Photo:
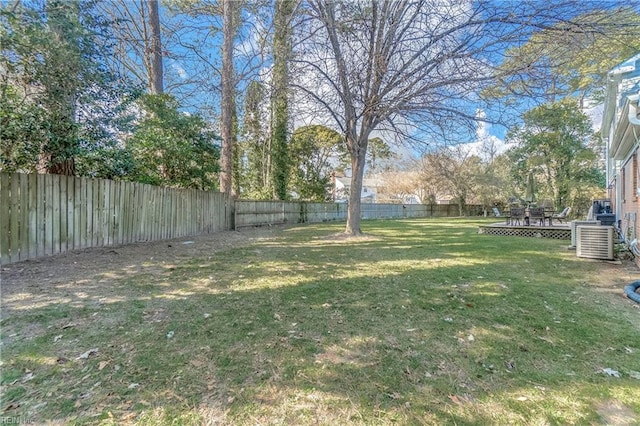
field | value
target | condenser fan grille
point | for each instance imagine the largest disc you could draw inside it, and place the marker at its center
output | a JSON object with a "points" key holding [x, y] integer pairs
{"points": [[595, 242]]}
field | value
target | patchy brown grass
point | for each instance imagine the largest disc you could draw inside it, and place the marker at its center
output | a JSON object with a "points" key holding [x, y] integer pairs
{"points": [[417, 322]]}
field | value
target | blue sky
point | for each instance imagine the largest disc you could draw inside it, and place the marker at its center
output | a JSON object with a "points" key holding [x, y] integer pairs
{"points": [[200, 36]]}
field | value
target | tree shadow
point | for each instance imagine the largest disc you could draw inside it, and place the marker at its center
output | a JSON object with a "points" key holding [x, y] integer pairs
{"points": [[447, 331]]}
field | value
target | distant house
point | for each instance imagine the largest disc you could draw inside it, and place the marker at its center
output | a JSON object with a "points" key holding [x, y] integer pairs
{"points": [[342, 189], [621, 135]]}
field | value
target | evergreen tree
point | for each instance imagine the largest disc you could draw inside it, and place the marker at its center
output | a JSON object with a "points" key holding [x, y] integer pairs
{"points": [[554, 142]]}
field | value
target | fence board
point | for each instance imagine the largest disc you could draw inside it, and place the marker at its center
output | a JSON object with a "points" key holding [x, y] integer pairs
{"points": [[87, 231], [172, 195], [40, 209], [126, 209], [48, 215], [134, 202], [86, 209], [154, 213], [62, 211], [151, 213], [163, 215], [143, 200], [78, 190], [179, 217], [55, 214], [22, 242], [190, 212], [32, 223], [107, 216], [5, 218], [113, 234], [158, 212], [98, 227], [115, 213], [14, 215], [69, 206], [139, 212]]}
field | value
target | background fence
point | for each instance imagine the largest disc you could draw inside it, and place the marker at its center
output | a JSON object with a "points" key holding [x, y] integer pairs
{"points": [[41, 215], [256, 213]]}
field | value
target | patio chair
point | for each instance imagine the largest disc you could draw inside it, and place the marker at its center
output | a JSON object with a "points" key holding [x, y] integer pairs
{"points": [[516, 214], [536, 214], [562, 215]]}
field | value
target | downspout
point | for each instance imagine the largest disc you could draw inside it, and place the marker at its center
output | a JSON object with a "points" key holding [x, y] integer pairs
{"points": [[607, 118], [634, 121], [634, 118], [633, 112]]}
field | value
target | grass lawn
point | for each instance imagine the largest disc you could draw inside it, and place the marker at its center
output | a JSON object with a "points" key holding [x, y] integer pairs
{"points": [[419, 322]]}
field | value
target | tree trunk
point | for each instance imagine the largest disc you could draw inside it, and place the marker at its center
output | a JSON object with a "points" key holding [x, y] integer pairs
{"points": [[236, 169], [355, 199], [156, 84], [280, 101], [65, 167], [61, 95], [357, 151], [228, 77]]}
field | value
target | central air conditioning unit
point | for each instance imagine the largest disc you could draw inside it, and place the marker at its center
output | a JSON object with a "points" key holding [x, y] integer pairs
{"points": [[595, 242], [574, 228]]}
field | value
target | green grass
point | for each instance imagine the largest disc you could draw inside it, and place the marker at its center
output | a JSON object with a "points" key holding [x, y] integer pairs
{"points": [[421, 322]]}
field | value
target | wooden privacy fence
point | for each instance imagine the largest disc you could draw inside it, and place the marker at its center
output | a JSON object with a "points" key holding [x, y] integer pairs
{"points": [[42, 215], [258, 213]]}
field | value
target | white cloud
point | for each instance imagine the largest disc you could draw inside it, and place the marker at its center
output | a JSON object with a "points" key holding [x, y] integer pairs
{"points": [[595, 113], [486, 145], [179, 69]]}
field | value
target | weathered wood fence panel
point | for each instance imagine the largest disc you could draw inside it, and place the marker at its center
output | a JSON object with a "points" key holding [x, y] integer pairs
{"points": [[259, 213], [41, 215], [323, 212]]}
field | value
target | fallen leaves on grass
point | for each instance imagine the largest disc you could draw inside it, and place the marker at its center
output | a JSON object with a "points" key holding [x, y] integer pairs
{"points": [[461, 399], [611, 372], [87, 354]]}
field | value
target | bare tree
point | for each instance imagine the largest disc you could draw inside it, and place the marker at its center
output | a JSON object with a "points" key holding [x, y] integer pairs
{"points": [[411, 67], [457, 170], [224, 44], [154, 53], [138, 40], [230, 26], [400, 186]]}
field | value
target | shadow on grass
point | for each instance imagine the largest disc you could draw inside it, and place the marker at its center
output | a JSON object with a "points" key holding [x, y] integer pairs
{"points": [[421, 323]]}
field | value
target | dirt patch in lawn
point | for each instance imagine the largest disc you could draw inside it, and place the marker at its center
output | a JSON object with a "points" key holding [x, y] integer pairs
{"points": [[613, 276], [92, 276], [81, 277]]}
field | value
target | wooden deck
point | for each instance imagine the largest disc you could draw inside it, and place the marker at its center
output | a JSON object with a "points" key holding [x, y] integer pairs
{"points": [[558, 231]]}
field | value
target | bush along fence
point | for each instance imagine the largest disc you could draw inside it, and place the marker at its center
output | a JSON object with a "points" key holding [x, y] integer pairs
{"points": [[41, 215]]}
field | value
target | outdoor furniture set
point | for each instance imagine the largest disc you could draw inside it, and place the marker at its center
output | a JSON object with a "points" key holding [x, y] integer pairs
{"points": [[527, 216]]}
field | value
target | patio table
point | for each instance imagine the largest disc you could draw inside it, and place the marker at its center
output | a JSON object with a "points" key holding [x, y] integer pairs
{"points": [[548, 214]]}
